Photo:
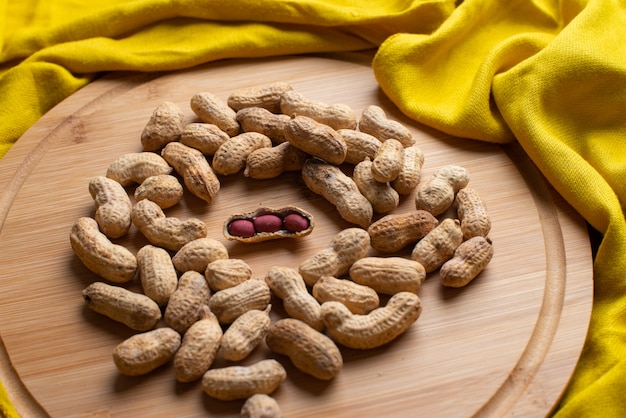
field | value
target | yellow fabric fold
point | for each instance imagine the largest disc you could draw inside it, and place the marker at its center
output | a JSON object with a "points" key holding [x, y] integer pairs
{"points": [[550, 74]]}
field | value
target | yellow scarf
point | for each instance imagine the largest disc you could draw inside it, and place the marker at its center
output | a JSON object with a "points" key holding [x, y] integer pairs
{"points": [[549, 74]]}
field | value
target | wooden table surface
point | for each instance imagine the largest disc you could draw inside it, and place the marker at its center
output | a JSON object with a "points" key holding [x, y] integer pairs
{"points": [[506, 345]]}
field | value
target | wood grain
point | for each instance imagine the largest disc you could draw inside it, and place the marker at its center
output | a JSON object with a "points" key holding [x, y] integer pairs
{"points": [[504, 346]]}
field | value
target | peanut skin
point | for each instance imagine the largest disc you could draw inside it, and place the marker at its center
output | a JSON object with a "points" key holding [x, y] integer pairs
{"points": [[185, 304], [388, 275], [381, 195], [164, 190], [438, 193], [205, 137], [316, 139], [229, 304], [337, 116], [309, 350], [165, 125], [472, 212], [112, 206], [135, 167], [438, 245], [257, 119], [245, 334], [358, 299], [388, 161], [266, 97], [142, 353], [231, 156], [379, 327], [211, 109], [340, 190], [260, 406], [470, 258], [197, 254], [241, 382], [395, 231], [359, 145], [374, 121], [411, 173], [266, 163], [225, 273], [110, 261], [157, 273]]}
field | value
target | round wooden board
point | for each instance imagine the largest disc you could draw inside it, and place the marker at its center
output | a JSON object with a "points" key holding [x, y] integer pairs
{"points": [[507, 344]]}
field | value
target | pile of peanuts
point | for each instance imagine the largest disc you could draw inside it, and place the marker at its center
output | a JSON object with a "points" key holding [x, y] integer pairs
{"points": [[198, 303]]}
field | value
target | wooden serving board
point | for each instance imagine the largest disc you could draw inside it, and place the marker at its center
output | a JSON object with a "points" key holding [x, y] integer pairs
{"points": [[506, 345]]}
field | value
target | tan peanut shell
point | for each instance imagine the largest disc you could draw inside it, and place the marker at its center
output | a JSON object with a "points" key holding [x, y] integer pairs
{"points": [[157, 273], [165, 125], [135, 167], [395, 231], [309, 350], [267, 163], [359, 145], [287, 284], [377, 328], [472, 212], [245, 334], [167, 232], [199, 347], [228, 272], [135, 310], [438, 193], [388, 161], [337, 116], [470, 258], [241, 382], [339, 189], [282, 212], [374, 121], [165, 190], [358, 299], [211, 109], [142, 353], [185, 304], [110, 261], [231, 156], [411, 173], [266, 97], [438, 245], [260, 406], [192, 165], [113, 206], [388, 275], [229, 304], [257, 119], [381, 195], [316, 139], [205, 137], [347, 246], [197, 254]]}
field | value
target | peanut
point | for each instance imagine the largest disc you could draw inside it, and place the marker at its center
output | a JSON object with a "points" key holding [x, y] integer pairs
{"points": [[381, 195], [108, 260], [185, 304], [388, 275], [411, 173], [438, 245], [388, 161], [287, 284], [135, 310], [197, 254], [374, 121], [165, 125], [470, 258], [309, 350], [438, 194], [245, 334], [316, 139], [241, 382], [359, 145], [472, 212], [112, 206], [199, 347], [340, 190], [164, 190], [205, 137], [167, 232], [260, 406], [393, 232], [269, 223], [135, 167], [337, 116], [142, 353], [231, 156], [191, 164], [358, 299], [266, 163], [267, 97], [157, 273], [377, 328], [225, 273], [230, 303], [344, 249], [257, 119], [211, 109]]}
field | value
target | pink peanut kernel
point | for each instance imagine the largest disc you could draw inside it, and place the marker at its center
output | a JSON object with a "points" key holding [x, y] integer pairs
{"points": [[295, 222], [241, 228], [267, 223]]}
